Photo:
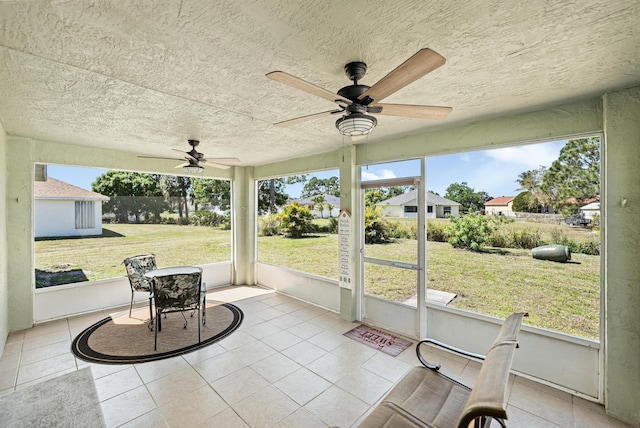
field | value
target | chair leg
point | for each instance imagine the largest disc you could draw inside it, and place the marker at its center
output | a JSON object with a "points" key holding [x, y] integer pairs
{"points": [[199, 324], [150, 325], [185, 319], [131, 305], [155, 337]]}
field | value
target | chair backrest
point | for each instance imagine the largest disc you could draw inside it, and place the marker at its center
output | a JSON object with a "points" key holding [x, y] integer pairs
{"points": [[488, 397], [178, 291], [136, 267]]}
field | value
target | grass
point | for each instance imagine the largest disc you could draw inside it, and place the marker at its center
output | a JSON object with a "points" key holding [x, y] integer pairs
{"points": [[101, 257], [559, 296]]}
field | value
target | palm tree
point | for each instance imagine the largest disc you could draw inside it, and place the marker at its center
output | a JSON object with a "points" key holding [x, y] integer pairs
{"points": [[319, 201]]}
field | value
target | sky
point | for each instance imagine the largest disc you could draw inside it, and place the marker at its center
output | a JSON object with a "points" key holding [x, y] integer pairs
{"points": [[492, 171]]}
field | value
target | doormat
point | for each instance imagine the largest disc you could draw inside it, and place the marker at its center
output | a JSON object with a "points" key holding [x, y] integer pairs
{"points": [[381, 340]]}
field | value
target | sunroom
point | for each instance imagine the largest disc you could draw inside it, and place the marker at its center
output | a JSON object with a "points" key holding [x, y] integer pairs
{"points": [[96, 86]]}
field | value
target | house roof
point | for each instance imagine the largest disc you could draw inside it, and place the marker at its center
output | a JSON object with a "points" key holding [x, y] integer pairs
{"points": [[329, 199], [432, 199], [56, 189], [502, 200]]}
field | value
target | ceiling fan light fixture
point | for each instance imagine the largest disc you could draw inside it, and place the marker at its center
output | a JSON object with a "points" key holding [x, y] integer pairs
{"points": [[193, 169], [356, 124]]}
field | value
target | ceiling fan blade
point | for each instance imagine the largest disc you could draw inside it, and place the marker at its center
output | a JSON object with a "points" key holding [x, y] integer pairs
{"points": [[220, 160], [416, 111], [218, 165], [296, 82], [187, 154], [421, 63], [306, 118], [158, 157]]}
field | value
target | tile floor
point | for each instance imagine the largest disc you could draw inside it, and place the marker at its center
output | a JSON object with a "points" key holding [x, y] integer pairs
{"points": [[287, 366]]}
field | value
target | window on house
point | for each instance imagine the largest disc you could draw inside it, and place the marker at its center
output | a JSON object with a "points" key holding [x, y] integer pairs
{"points": [[410, 209], [446, 210], [85, 215], [429, 209]]}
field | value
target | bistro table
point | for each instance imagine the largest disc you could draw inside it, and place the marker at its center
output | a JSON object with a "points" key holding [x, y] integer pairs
{"points": [[182, 270]]}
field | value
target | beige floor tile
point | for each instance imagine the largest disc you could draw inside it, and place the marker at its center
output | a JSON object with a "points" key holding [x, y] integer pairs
{"points": [[236, 340], [328, 340], [269, 313], [281, 340], [175, 385], [34, 355], [354, 351], [156, 369], [549, 404], [387, 366], [47, 328], [12, 348], [10, 361], [302, 385], [193, 409], [262, 330], [365, 385], [15, 336], [286, 321], [275, 367], [46, 377], [117, 383], [205, 353], [265, 408], [520, 418], [127, 406], [253, 352], [46, 339], [8, 378], [300, 418], [305, 330], [152, 419], [345, 408], [332, 367], [304, 352], [100, 370], [228, 418], [587, 413], [239, 385], [43, 368], [218, 366]]}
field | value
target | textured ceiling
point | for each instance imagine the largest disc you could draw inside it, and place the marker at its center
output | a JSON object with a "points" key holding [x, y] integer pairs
{"points": [[145, 76]]}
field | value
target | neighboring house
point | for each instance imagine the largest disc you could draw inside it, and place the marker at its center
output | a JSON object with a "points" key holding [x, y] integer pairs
{"points": [[328, 199], [500, 206], [590, 210], [406, 205], [61, 209]]}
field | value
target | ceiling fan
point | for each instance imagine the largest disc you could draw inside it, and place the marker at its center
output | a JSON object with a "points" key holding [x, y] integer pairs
{"points": [[192, 159], [354, 101]]}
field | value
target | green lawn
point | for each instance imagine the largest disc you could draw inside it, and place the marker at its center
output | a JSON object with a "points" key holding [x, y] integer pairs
{"points": [[101, 257]]}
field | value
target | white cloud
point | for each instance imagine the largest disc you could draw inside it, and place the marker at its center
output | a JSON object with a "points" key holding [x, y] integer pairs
{"points": [[530, 156], [380, 175]]}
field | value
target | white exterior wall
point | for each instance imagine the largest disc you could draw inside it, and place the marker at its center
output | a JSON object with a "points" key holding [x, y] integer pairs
{"points": [[58, 218], [506, 210], [455, 211], [392, 211]]}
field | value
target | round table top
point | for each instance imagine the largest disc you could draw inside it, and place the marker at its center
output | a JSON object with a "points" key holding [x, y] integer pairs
{"points": [[174, 270]]}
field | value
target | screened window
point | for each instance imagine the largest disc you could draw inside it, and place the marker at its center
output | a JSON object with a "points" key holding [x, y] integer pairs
{"points": [[85, 215], [411, 209]]}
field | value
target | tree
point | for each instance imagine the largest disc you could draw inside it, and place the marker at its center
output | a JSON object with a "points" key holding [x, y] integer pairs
{"points": [[271, 194], [217, 193], [470, 200], [574, 178], [530, 181], [296, 221], [130, 193], [525, 202], [319, 201], [177, 190], [321, 186], [375, 196]]}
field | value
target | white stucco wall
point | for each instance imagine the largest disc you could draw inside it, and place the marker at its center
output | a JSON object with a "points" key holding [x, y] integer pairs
{"points": [[4, 293], [58, 218]]}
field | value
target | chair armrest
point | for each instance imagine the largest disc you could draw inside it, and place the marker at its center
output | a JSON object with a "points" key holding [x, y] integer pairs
{"points": [[444, 346]]}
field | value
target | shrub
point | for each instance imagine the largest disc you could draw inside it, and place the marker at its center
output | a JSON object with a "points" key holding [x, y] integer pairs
{"points": [[182, 221], [269, 225], [526, 238], [471, 232], [334, 225], [296, 221], [207, 218], [436, 231], [402, 230], [376, 229], [501, 239]]}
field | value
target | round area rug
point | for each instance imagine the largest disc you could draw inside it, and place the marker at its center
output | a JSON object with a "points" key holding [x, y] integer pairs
{"points": [[123, 340]]}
